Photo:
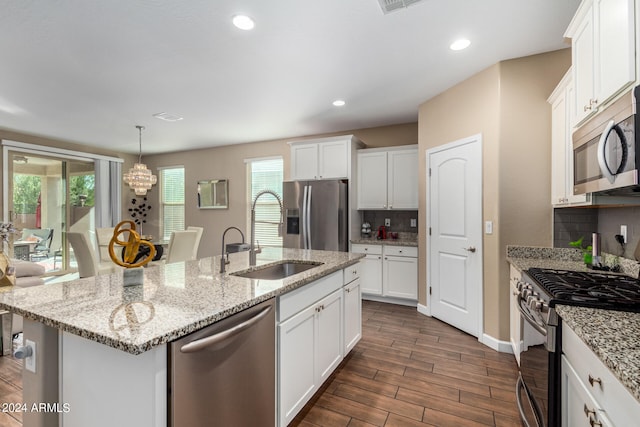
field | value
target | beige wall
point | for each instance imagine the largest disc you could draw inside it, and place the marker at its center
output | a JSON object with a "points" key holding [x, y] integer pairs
{"points": [[228, 162], [506, 103]]}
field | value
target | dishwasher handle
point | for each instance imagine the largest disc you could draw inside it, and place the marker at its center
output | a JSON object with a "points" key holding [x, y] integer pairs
{"points": [[203, 343]]}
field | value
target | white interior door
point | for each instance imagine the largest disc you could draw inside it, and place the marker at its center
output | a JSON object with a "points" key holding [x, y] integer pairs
{"points": [[455, 242]]}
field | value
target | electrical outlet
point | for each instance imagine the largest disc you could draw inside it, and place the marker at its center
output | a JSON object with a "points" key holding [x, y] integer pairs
{"points": [[30, 362], [387, 222], [413, 222], [623, 231]]}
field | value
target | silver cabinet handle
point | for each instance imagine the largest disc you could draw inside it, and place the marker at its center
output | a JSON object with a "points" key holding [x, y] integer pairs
{"points": [[470, 249], [201, 344]]}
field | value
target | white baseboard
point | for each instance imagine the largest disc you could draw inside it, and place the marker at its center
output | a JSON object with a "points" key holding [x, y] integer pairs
{"points": [[497, 345], [424, 309], [390, 300]]}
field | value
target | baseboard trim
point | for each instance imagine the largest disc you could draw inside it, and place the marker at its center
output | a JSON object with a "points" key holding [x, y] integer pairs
{"points": [[390, 300], [423, 309], [497, 345]]}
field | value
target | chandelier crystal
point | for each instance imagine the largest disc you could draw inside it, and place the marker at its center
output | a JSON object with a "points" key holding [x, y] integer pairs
{"points": [[139, 178]]}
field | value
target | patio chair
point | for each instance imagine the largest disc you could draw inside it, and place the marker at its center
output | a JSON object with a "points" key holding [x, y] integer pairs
{"points": [[43, 246]]}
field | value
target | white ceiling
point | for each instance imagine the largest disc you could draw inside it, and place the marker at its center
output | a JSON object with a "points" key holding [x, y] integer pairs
{"points": [[88, 71]]}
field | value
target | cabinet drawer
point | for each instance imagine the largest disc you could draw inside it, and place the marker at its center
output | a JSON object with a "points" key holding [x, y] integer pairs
{"points": [[299, 299], [410, 251], [351, 273], [607, 390], [367, 249]]}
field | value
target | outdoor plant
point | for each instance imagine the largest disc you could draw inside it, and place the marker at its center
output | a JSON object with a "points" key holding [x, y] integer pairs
{"points": [[586, 250]]}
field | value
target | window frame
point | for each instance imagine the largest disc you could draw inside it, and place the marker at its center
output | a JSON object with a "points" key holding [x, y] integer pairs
{"points": [[267, 200], [162, 203]]}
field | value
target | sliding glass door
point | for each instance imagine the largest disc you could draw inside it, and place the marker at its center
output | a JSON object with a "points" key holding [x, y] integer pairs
{"points": [[47, 196]]}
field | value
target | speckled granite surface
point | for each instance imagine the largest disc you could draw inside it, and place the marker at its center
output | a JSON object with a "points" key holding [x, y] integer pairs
{"points": [[614, 336], [175, 300], [400, 241]]}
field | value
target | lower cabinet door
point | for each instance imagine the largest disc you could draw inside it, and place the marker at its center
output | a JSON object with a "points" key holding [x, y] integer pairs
{"points": [[352, 315], [329, 332], [400, 277], [297, 349], [578, 407], [371, 274]]}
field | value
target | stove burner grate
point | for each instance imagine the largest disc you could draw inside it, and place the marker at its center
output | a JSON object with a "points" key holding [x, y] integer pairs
{"points": [[593, 289]]}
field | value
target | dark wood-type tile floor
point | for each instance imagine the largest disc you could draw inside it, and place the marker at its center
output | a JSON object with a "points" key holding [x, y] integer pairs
{"points": [[413, 370], [408, 370]]}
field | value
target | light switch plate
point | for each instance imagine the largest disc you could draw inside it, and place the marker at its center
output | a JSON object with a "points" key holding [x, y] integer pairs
{"points": [[488, 227], [413, 222], [623, 231], [387, 222]]}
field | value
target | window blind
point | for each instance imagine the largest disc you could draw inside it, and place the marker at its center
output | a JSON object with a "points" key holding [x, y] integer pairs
{"points": [[266, 174], [172, 200]]}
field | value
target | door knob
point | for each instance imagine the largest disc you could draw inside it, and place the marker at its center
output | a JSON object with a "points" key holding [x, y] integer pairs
{"points": [[470, 249]]}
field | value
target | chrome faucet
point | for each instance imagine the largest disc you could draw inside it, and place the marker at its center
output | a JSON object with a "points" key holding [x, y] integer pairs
{"points": [[253, 251], [226, 250]]}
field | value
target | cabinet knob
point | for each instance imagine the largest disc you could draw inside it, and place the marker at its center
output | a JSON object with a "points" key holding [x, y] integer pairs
{"points": [[379, 257], [593, 380], [400, 251], [593, 102], [594, 423], [471, 249], [348, 290], [587, 108]]}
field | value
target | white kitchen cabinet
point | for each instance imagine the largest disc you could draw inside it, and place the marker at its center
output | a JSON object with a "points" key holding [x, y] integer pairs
{"points": [[400, 269], [370, 268], [388, 178], [602, 35], [389, 271], [515, 320], [352, 314], [316, 323], [562, 146], [326, 158], [590, 389]]}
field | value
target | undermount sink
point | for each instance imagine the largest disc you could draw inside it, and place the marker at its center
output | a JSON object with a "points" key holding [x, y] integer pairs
{"points": [[278, 271]]}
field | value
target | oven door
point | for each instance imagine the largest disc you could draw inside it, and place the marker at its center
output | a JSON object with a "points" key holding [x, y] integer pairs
{"points": [[532, 390]]}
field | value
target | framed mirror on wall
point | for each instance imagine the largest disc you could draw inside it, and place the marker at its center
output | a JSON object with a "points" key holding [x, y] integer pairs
{"points": [[213, 194]]}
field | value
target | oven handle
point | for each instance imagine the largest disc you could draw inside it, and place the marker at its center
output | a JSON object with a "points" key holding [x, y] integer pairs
{"points": [[537, 413], [531, 321]]}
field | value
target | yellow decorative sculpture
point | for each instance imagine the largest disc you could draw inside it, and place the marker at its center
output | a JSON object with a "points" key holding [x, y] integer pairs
{"points": [[131, 246]]}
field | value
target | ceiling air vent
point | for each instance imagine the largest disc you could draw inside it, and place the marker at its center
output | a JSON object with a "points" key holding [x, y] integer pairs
{"points": [[393, 5]]}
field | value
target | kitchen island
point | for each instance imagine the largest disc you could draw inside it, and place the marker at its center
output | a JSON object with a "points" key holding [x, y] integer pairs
{"points": [[112, 339]]}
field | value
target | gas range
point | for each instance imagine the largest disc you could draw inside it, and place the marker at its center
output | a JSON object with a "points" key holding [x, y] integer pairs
{"points": [[581, 288], [539, 291]]}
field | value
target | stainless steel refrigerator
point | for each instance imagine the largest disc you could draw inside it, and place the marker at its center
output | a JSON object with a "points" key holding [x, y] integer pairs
{"points": [[317, 215]]}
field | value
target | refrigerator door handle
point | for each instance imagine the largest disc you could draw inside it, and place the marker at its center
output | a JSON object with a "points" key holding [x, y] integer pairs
{"points": [[304, 218], [309, 217]]}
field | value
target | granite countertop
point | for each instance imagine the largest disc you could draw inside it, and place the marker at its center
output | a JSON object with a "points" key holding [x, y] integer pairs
{"points": [[175, 300], [614, 336], [390, 242]]}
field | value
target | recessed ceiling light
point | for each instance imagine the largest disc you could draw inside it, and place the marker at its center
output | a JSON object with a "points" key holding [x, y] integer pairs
{"points": [[460, 44], [339, 103], [243, 22]]}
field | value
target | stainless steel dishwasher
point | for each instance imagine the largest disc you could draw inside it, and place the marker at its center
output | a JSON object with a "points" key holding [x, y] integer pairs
{"points": [[224, 374]]}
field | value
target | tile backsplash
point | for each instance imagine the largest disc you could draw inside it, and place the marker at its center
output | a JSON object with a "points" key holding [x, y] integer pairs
{"points": [[572, 223], [400, 220]]}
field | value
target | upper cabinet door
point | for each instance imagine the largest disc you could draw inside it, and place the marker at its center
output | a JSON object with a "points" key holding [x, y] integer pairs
{"points": [[583, 65], [333, 160], [603, 53], [372, 180], [402, 187], [304, 162], [615, 47]]}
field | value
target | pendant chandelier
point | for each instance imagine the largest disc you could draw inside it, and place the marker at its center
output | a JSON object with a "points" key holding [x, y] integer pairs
{"points": [[139, 178]]}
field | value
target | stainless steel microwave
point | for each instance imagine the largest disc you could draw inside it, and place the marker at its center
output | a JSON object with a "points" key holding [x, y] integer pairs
{"points": [[606, 149]]}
